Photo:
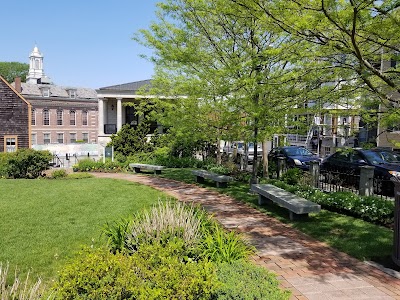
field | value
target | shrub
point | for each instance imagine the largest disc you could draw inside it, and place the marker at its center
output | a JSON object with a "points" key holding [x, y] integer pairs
{"points": [[88, 165], [99, 274], [163, 222], [292, 176], [116, 234], [218, 169], [26, 163], [219, 245], [371, 209], [243, 280], [59, 174], [19, 289]]}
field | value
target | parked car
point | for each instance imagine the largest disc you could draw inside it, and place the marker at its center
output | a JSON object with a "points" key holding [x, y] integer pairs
{"points": [[229, 148], [296, 157], [385, 162]]}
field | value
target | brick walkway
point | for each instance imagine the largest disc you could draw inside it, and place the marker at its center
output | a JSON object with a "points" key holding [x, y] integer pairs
{"points": [[309, 268]]}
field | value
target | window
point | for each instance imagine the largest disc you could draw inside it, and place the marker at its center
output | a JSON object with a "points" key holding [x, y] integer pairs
{"points": [[72, 118], [46, 138], [33, 139], [10, 143], [60, 138], [59, 117], [72, 94], [85, 137], [46, 92], [72, 137], [84, 117], [46, 117], [33, 117]]}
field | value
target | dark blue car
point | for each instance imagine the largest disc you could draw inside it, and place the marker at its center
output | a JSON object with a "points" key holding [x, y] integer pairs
{"points": [[296, 157], [385, 162]]}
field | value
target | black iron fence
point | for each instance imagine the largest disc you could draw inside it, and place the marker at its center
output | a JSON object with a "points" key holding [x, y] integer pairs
{"points": [[364, 183]]}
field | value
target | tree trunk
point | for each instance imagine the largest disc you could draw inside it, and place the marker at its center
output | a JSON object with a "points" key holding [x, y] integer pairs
{"points": [[265, 159], [219, 154], [254, 178]]}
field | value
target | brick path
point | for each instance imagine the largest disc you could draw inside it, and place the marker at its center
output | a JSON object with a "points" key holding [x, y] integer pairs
{"points": [[309, 268]]}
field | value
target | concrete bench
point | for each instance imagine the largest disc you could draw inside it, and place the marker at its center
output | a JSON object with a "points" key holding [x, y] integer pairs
{"points": [[221, 180], [298, 207], [138, 167]]}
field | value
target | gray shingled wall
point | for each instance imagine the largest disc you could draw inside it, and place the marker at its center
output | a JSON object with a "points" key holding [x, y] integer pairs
{"points": [[14, 117]]}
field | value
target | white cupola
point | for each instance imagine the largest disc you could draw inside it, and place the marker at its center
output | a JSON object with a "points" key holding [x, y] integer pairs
{"points": [[36, 72]]}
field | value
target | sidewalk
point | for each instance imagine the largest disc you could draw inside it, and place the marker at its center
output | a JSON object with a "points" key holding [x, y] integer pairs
{"points": [[309, 268]]}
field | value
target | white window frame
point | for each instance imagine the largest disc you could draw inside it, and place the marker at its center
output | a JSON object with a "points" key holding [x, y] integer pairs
{"points": [[72, 134], [60, 134], [46, 111], [10, 143], [72, 120], [44, 139], [60, 114]]}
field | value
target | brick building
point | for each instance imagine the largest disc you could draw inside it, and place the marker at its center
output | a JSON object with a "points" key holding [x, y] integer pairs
{"points": [[59, 115], [15, 121]]}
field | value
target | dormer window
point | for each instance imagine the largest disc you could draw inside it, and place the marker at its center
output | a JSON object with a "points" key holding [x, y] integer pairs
{"points": [[45, 91], [72, 93]]}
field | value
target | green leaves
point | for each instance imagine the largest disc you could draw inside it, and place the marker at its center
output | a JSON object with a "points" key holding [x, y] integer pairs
{"points": [[10, 70]]}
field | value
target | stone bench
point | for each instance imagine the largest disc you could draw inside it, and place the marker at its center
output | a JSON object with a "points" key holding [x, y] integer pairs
{"points": [[221, 180], [138, 167], [298, 207]]}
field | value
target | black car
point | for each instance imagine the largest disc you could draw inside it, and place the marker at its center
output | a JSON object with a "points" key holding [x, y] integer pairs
{"points": [[295, 156], [348, 162]]}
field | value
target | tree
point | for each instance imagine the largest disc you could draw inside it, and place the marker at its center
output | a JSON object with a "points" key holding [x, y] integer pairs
{"points": [[353, 44], [228, 64], [10, 70]]}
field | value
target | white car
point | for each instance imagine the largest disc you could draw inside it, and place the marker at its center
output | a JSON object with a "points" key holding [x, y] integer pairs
{"points": [[229, 148]]}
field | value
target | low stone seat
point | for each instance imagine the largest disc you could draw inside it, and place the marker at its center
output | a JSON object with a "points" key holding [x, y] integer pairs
{"points": [[138, 167], [221, 180], [298, 207]]}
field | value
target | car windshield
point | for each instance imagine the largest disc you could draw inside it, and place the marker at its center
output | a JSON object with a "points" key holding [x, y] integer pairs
{"points": [[297, 152], [381, 157]]}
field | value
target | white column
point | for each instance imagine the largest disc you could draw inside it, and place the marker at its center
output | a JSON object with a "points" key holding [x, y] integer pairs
{"points": [[101, 116], [119, 113]]}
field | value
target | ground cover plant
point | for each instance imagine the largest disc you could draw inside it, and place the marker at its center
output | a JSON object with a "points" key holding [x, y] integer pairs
{"points": [[44, 222]]}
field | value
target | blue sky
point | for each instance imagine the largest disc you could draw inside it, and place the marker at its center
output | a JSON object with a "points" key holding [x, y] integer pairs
{"points": [[85, 43]]}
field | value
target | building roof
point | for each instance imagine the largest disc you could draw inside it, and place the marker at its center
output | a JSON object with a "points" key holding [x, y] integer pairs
{"points": [[131, 86], [15, 91], [34, 90]]}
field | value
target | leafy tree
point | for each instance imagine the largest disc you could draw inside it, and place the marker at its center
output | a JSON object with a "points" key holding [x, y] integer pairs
{"points": [[352, 45], [10, 70], [227, 63]]}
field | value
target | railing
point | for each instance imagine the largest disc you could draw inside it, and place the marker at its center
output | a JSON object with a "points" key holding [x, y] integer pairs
{"points": [[296, 138], [363, 183], [110, 128]]}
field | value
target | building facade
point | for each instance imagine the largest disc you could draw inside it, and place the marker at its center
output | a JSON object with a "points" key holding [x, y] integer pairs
{"points": [[59, 115], [15, 122], [113, 113]]}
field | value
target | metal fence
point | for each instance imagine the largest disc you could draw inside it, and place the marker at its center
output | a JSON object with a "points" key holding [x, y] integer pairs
{"points": [[363, 183]]}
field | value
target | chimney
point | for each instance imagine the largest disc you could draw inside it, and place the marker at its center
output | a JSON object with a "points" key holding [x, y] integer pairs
{"points": [[18, 84]]}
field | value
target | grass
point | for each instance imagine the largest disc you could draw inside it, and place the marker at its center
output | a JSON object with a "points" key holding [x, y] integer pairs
{"points": [[355, 237], [45, 222]]}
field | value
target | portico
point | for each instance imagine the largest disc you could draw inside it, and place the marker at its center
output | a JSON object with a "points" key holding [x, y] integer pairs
{"points": [[113, 114]]}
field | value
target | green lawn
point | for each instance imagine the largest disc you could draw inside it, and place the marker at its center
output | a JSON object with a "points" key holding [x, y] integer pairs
{"points": [[44, 222], [358, 238]]}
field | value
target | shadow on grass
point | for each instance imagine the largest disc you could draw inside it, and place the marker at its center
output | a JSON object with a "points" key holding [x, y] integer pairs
{"points": [[355, 237]]}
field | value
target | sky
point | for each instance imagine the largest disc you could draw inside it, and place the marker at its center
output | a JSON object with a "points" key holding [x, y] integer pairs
{"points": [[85, 43]]}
